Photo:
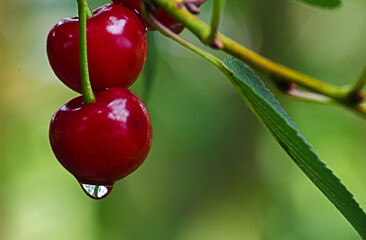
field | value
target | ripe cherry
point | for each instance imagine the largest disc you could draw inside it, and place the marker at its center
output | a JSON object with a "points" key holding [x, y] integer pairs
{"points": [[103, 141], [117, 48]]}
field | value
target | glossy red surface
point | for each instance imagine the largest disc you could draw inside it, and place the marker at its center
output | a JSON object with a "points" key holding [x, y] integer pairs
{"points": [[117, 48], [161, 15], [103, 141]]}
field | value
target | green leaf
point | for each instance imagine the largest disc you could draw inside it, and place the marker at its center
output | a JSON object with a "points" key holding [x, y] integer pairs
{"points": [[323, 3], [284, 130]]}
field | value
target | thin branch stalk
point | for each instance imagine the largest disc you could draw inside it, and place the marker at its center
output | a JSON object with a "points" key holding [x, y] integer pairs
{"points": [[214, 25]]}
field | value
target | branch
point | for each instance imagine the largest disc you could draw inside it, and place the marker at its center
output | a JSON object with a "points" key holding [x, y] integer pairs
{"points": [[343, 96]]}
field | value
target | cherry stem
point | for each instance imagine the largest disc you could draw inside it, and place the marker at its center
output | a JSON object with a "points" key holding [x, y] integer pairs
{"points": [[84, 12], [215, 22], [85, 4]]}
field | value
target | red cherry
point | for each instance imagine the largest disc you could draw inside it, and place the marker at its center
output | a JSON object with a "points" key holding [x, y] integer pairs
{"points": [[117, 48], [160, 15], [103, 141]]}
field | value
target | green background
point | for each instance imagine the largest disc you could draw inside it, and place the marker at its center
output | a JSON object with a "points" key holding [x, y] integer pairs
{"points": [[213, 171]]}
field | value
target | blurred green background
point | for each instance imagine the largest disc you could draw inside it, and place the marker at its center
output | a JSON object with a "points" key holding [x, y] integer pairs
{"points": [[213, 171]]}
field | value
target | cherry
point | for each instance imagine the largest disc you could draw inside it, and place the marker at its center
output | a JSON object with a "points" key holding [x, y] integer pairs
{"points": [[160, 15], [117, 48], [103, 141]]}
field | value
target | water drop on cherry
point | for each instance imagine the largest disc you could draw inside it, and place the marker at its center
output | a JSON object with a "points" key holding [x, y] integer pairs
{"points": [[96, 191]]}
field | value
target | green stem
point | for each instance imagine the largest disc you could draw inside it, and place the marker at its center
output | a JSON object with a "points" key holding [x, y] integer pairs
{"points": [[87, 90], [215, 20], [85, 4]]}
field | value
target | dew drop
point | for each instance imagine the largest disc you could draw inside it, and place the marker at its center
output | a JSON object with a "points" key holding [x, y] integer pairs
{"points": [[96, 191]]}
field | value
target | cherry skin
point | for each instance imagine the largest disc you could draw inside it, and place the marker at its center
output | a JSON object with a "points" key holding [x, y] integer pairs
{"points": [[117, 48], [103, 141], [160, 15]]}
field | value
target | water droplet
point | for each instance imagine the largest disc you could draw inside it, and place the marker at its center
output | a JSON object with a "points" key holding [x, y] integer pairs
{"points": [[96, 191]]}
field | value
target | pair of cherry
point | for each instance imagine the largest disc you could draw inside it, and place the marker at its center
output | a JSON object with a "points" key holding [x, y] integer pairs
{"points": [[106, 140]]}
